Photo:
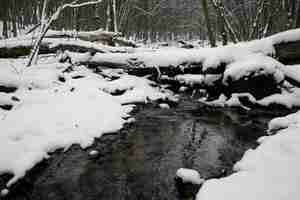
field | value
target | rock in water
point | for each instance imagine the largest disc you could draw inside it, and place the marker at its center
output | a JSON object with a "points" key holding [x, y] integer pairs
{"points": [[189, 176], [94, 154], [164, 106], [4, 192], [188, 182]]}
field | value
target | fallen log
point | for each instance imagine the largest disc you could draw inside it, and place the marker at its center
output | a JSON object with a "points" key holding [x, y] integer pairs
{"points": [[288, 52], [292, 74], [123, 42], [99, 36], [14, 48]]}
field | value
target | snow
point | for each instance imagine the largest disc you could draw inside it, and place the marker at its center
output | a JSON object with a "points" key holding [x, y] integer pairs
{"points": [[49, 120], [26, 41], [54, 115], [191, 79], [183, 89], [198, 79], [233, 101], [286, 36], [136, 90], [6, 99], [164, 106], [270, 172], [130, 120], [210, 58], [189, 176], [254, 65], [289, 99], [93, 153], [41, 76], [4, 192], [292, 120], [292, 72]]}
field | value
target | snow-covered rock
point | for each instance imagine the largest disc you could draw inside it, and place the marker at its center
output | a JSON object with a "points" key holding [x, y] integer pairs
{"points": [[256, 74], [164, 106], [4, 192], [136, 90], [93, 153], [189, 176], [288, 99]]}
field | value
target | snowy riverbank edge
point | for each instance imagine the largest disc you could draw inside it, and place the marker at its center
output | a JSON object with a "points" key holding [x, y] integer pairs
{"points": [[53, 109], [270, 172]]}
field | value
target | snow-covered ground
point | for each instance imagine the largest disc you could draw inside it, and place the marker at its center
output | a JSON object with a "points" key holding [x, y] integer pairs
{"points": [[55, 109], [270, 172]]}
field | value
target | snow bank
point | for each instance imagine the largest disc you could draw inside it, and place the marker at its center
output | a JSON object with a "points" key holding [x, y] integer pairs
{"points": [[51, 119], [289, 99], [53, 114], [266, 45], [286, 36], [136, 90], [189, 176], [270, 172], [38, 76], [290, 121]]}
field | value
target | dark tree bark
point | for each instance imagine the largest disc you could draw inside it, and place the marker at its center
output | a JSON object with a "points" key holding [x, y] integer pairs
{"points": [[211, 36]]}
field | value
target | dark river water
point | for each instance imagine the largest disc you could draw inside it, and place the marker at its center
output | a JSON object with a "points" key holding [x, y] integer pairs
{"points": [[140, 161]]}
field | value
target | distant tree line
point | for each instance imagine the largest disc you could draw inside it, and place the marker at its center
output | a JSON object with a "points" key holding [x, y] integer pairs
{"points": [[160, 20]]}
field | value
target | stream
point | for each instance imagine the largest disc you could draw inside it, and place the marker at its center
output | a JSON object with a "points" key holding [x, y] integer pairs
{"points": [[140, 161]]}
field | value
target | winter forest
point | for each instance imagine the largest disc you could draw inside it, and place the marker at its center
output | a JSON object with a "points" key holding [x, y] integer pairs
{"points": [[149, 99], [160, 20]]}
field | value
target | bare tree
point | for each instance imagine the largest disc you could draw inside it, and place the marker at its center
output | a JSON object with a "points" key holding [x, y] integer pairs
{"points": [[47, 23], [211, 36], [114, 5]]}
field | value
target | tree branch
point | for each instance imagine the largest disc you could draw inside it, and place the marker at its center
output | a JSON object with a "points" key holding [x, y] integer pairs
{"points": [[46, 25]]}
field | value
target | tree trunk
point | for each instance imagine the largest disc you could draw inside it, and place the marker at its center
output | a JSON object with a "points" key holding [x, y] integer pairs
{"points": [[211, 36], [114, 5], [298, 17], [108, 16], [5, 32]]}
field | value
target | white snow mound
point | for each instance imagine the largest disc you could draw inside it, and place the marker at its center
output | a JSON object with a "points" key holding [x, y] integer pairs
{"points": [[189, 176]]}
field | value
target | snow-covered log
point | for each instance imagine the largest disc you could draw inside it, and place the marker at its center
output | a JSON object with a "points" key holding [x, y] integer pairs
{"points": [[124, 42], [46, 23], [288, 52], [17, 47]]}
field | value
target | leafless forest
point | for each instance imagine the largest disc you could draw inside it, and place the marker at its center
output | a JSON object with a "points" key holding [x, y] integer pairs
{"points": [[160, 20]]}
